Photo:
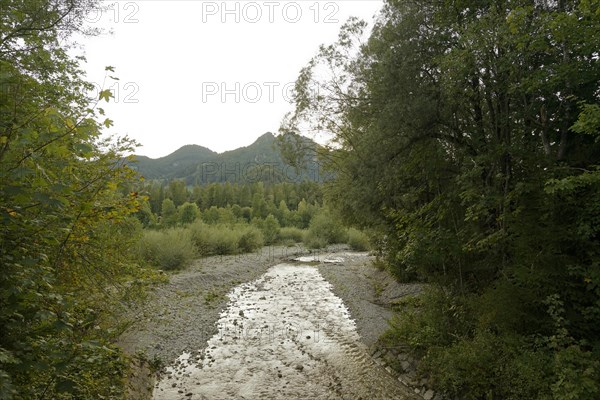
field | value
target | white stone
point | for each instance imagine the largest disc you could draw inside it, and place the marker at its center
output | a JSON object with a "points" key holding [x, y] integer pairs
{"points": [[429, 394]]}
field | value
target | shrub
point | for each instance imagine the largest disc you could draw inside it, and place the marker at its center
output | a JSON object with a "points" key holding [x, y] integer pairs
{"points": [[269, 227], [324, 228], [358, 240], [314, 242], [224, 240], [577, 374], [291, 234], [490, 366], [214, 239], [251, 239], [170, 249], [435, 318]]}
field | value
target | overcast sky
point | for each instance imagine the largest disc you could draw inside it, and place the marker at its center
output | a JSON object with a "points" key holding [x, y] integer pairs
{"points": [[211, 73]]}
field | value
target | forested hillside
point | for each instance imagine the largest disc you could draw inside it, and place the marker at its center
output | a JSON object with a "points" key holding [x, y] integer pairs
{"points": [[468, 137], [259, 162]]}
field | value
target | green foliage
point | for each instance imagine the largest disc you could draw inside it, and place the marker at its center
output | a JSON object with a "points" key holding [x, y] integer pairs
{"points": [[250, 239], [292, 234], [188, 213], [215, 239], [146, 216], [490, 366], [358, 240], [588, 121], [315, 242], [270, 229], [466, 136], [436, 318], [169, 250], [211, 216], [168, 212], [66, 225], [325, 229], [578, 374]]}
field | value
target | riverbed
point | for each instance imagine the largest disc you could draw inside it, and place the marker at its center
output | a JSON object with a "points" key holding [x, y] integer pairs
{"points": [[280, 331], [282, 336]]}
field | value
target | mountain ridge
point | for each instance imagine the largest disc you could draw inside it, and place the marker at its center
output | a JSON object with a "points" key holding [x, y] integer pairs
{"points": [[204, 148], [196, 164]]}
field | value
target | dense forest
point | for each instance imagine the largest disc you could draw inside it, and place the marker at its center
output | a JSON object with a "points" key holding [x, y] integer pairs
{"points": [[467, 135], [466, 141]]}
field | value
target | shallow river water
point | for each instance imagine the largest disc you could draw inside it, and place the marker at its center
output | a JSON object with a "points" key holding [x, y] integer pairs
{"points": [[282, 336]]}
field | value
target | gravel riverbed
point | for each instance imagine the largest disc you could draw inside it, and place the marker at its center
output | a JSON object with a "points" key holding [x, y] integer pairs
{"points": [[181, 316]]}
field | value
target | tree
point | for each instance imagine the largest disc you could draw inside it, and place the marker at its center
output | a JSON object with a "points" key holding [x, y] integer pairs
{"points": [[283, 213], [270, 229], [177, 192], [168, 212], [66, 228], [259, 206], [188, 213], [464, 134]]}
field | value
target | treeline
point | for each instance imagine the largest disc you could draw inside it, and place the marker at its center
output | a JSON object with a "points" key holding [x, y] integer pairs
{"points": [[293, 204], [469, 137], [224, 218]]}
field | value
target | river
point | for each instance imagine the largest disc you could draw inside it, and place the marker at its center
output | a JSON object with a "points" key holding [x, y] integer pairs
{"points": [[284, 335]]}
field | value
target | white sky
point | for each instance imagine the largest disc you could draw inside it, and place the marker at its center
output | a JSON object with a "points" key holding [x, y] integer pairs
{"points": [[201, 72]]}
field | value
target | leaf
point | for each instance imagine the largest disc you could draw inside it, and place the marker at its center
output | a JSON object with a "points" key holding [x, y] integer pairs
{"points": [[109, 68], [70, 124], [85, 149], [65, 385], [106, 95], [108, 122]]}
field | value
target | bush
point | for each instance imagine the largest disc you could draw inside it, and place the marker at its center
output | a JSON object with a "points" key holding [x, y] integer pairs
{"points": [[214, 239], [170, 249], [577, 374], [270, 229], [358, 240], [291, 234], [224, 240], [324, 228], [434, 318], [490, 366], [467, 357], [251, 239], [314, 242]]}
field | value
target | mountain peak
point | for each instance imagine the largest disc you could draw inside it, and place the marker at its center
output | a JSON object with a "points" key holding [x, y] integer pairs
{"points": [[191, 149], [267, 135], [193, 162]]}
